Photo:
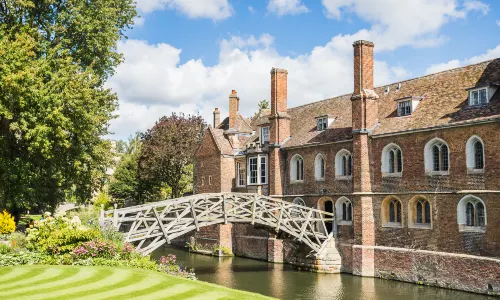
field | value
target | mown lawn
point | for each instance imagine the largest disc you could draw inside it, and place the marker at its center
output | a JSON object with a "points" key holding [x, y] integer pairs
{"points": [[77, 282]]}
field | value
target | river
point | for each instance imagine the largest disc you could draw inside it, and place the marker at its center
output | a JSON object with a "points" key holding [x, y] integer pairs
{"points": [[284, 282]]}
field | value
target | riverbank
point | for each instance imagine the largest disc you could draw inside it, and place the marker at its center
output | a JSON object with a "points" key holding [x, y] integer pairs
{"points": [[75, 282]]}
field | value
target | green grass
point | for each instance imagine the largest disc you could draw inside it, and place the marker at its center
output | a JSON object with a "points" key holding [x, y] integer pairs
{"points": [[77, 282], [25, 219]]}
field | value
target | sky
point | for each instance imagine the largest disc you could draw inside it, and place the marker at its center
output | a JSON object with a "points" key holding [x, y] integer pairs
{"points": [[186, 56]]}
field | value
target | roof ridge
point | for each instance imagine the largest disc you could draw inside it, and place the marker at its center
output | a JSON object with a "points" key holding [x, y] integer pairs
{"points": [[406, 80]]}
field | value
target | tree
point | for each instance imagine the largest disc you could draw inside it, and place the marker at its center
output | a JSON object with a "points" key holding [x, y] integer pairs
{"points": [[168, 151], [263, 104], [54, 59]]}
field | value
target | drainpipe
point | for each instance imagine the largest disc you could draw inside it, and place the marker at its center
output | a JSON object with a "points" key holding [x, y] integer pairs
{"points": [[284, 169]]}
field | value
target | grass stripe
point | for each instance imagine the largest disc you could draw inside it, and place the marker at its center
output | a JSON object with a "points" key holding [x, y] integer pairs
{"points": [[61, 290], [67, 279], [209, 295], [19, 272], [62, 274], [116, 280], [42, 276], [171, 291]]}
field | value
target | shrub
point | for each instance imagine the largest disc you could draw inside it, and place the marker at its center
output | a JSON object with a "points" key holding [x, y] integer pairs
{"points": [[4, 249], [104, 249], [103, 198], [65, 240], [18, 240], [7, 223]]}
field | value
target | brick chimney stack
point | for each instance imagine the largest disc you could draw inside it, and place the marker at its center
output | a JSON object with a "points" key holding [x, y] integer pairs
{"points": [[279, 129], [363, 66], [216, 117], [234, 106]]}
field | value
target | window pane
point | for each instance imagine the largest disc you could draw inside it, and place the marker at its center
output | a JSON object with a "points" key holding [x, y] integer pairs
{"points": [[322, 166], [398, 211], [344, 165], [482, 96], [480, 214], [427, 212], [263, 170], [344, 211], [419, 212], [301, 163], [253, 170], [444, 159], [435, 158], [349, 212], [392, 212], [400, 161], [469, 213], [478, 151], [391, 161], [474, 98], [349, 166]]}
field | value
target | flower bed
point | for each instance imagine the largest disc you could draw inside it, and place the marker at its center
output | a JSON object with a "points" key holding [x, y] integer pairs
{"points": [[59, 240]]}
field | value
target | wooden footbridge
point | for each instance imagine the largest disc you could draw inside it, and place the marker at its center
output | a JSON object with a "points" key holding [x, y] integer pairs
{"points": [[151, 225]]}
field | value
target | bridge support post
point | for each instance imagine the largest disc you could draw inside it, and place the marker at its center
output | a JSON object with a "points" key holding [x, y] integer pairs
{"points": [[274, 249]]}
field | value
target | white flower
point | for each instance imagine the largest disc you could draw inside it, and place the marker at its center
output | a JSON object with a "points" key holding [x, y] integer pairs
{"points": [[47, 214]]}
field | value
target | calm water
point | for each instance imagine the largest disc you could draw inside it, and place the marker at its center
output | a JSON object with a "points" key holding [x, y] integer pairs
{"points": [[282, 281]]}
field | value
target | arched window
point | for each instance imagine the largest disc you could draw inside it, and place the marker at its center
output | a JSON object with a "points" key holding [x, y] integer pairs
{"points": [[295, 211], [471, 213], [344, 210], [319, 167], [392, 160], [419, 213], [437, 157], [343, 164], [475, 155], [297, 168], [392, 212]]}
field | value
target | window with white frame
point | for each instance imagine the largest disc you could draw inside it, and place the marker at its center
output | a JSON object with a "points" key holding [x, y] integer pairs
{"points": [[392, 160], [475, 154], [319, 167], [264, 134], [240, 171], [471, 213], [478, 97], [296, 211], [257, 170], [322, 123], [343, 164], [343, 208], [297, 168], [437, 157], [404, 108]]}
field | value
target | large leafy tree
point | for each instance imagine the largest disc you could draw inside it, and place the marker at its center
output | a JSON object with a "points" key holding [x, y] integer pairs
{"points": [[55, 56], [168, 150]]}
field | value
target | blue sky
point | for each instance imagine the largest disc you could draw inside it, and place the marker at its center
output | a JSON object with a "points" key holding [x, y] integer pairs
{"points": [[187, 55]]}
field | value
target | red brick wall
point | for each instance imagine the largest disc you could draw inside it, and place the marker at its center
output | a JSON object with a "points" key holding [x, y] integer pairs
{"points": [[208, 163]]}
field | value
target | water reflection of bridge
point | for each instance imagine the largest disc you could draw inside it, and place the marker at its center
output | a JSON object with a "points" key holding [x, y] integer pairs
{"points": [[152, 225]]}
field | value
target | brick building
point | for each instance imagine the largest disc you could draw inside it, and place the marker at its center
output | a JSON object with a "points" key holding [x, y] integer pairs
{"points": [[411, 170]]}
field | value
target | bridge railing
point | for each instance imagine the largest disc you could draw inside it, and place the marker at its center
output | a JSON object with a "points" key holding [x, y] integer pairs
{"points": [[155, 223]]}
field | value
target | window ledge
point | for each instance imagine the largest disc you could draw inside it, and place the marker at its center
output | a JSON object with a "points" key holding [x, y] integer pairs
{"points": [[349, 223], [475, 171], [393, 225], [320, 179], [420, 226], [464, 228], [438, 173], [399, 174], [340, 177], [296, 181]]}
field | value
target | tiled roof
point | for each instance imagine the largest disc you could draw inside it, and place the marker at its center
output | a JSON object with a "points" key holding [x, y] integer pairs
{"points": [[242, 124], [222, 142], [445, 102]]}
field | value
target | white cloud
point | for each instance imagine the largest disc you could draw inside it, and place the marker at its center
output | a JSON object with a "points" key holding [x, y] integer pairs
{"points": [[286, 7], [397, 23], [489, 54], [498, 22], [152, 82], [251, 9], [209, 9]]}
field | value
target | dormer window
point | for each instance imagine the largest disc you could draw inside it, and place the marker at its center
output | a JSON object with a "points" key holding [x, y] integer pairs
{"points": [[407, 105], [264, 135], [404, 108], [322, 123], [478, 97]]}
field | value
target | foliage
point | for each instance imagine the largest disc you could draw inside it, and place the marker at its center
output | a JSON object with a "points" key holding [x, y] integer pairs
{"points": [[54, 59], [58, 234], [103, 199], [18, 240], [7, 223], [167, 151], [5, 249], [99, 248], [125, 183], [263, 104]]}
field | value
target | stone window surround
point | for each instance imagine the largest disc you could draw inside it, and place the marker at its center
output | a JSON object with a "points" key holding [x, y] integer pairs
{"points": [[317, 167], [339, 165], [293, 169], [412, 213], [338, 209], [461, 215], [385, 161], [470, 155], [429, 159], [384, 213]]}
